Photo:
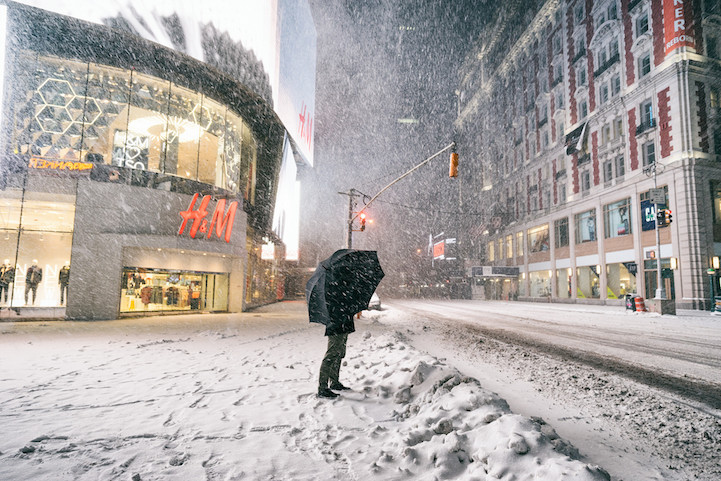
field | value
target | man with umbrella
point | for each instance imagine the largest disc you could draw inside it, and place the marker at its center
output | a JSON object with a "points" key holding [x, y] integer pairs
{"points": [[341, 286]]}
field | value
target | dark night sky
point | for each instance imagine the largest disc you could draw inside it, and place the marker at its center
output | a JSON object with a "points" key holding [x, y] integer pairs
{"points": [[379, 61]]}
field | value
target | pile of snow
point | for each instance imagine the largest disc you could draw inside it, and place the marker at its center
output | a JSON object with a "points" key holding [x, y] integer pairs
{"points": [[233, 397], [445, 426]]}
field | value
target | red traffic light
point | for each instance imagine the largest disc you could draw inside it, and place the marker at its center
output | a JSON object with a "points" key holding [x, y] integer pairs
{"points": [[362, 216]]}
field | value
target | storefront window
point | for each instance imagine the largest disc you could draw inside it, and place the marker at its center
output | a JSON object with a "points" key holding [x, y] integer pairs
{"points": [[585, 226], [519, 244], [509, 246], [540, 283], [563, 278], [538, 239], [35, 248], [83, 111], [617, 218], [588, 286], [560, 227], [621, 279], [152, 290]]}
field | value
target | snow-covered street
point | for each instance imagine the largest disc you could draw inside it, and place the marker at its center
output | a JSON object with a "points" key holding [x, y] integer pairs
{"points": [[232, 396]]}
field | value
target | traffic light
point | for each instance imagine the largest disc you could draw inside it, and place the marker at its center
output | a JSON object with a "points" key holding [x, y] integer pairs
{"points": [[661, 217], [453, 169], [362, 221], [669, 217]]}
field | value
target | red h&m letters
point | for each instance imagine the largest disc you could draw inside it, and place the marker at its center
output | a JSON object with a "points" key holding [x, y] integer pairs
{"points": [[221, 220]]}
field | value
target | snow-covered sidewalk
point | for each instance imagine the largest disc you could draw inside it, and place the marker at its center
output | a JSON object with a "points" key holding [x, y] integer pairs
{"points": [[233, 397]]}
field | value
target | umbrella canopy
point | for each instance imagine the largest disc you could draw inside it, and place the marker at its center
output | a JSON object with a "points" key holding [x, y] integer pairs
{"points": [[342, 284]]}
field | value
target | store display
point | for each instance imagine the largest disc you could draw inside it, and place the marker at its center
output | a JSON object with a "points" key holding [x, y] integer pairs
{"points": [[33, 277], [7, 277], [63, 280]]}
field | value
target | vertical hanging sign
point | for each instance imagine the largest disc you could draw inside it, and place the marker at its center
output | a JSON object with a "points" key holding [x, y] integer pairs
{"points": [[678, 24]]}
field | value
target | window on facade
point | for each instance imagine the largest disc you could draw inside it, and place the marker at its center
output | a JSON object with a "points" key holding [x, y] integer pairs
{"points": [[580, 46], [519, 244], [620, 166], [602, 57], [644, 65], [712, 47], [557, 43], [585, 224], [617, 218], [559, 100], [544, 140], [582, 76], [608, 171], [613, 48], [509, 246], [578, 13], [617, 128], [603, 94], [714, 98], [647, 112], [600, 19], [649, 153], [615, 85], [642, 24], [612, 11], [560, 132], [538, 240], [562, 193], [492, 251], [605, 134], [583, 108], [585, 181], [560, 228]]}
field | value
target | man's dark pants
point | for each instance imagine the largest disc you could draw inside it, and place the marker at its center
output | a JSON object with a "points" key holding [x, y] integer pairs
{"points": [[330, 367]]}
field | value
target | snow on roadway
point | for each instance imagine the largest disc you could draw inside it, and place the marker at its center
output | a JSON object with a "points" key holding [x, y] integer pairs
{"points": [[233, 397], [636, 432]]}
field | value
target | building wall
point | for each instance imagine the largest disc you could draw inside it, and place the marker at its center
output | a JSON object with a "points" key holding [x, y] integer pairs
{"points": [[614, 98]]}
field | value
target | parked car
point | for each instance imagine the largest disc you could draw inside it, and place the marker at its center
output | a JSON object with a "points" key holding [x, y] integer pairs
{"points": [[375, 302]]}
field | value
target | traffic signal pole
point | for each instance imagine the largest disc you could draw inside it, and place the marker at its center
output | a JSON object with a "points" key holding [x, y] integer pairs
{"points": [[352, 193]]}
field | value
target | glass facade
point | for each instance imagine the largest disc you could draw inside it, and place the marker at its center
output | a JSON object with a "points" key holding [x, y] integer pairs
{"points": [[620, 279], [560, 226], [153, 290], [617, 218], [163, 133], [563, 279], [588, 283], [538, 240], [585, 223], [36, 233], [540, 283]]}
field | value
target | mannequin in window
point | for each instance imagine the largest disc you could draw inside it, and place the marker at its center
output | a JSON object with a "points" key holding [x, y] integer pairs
{"points": [[63, 280], [32, 279], [7, 277]]}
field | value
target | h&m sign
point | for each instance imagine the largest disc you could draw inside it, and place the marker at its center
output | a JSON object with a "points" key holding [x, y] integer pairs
{"points": [[221, 220]]}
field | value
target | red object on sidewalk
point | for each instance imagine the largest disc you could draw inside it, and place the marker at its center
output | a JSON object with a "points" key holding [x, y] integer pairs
{"points": [[640, 306]]}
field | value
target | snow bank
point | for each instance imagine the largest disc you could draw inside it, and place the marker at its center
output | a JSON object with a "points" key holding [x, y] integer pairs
{"points": [[445, 426]]}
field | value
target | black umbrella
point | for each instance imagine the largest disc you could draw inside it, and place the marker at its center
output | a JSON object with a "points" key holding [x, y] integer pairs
{"points": [[342, 284]]}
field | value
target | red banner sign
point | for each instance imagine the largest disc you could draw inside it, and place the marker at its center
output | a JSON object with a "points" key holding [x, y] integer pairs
{"points": [[678, 24], [221, 220]]}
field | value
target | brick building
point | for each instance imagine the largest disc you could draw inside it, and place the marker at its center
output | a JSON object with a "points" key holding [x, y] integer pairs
{"points": [[567, 121]]}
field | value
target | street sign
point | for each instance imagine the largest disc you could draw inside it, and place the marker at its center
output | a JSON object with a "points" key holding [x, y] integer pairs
{"points": [[657, 196]]}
